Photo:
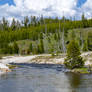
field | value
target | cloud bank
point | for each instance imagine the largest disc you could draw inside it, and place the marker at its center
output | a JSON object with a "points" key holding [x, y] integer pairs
{"points": [[46, 8]]}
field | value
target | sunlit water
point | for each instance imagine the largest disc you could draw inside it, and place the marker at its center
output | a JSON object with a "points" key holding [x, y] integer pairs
{"points": [[44, 78]]}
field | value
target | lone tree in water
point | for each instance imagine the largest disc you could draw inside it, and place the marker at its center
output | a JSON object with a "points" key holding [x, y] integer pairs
{"points": [[73, 60]]}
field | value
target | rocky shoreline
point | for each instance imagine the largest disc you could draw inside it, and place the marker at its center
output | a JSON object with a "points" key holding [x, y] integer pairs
{"points": [[39, 59], [4, 68]]}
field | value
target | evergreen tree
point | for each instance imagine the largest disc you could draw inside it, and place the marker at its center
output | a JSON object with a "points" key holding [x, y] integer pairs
{"points": [[13, 24], [40, 47], [51, 49], [55, 37], [35, 50], [33, 21], [41, 20], [41, 35], [85, 46], [84, 21], [73, 60], [26, 21], [5, 49], [15, 48], [10, 50], [31, 47], [5, 24]]}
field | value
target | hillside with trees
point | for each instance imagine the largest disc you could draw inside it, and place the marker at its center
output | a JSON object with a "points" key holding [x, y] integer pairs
{"points": [[37, 35]]}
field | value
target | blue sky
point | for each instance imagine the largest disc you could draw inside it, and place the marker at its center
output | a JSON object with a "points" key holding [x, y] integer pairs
{"points": [[10, 2], [21, 8], [80, 2]]}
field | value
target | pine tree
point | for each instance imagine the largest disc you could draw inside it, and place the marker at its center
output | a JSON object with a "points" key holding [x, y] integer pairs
{"points": [[10, 50], [35, 50], [15, 48], [33, 21], [31, 47], [13, 24], [84, 21], [73, 60], [26, 21], [5, 24], [85, 46], [55, 37], [41, 46], [38, 49], [41, 35]]}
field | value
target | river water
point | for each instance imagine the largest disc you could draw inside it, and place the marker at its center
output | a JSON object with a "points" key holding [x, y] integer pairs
{"points": [[44, 78]]}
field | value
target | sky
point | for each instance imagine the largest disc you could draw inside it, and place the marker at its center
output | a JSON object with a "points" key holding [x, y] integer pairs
{"points": [[54, 8]]}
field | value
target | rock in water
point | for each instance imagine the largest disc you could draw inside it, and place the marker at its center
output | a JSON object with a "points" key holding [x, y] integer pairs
{"points": [[4, 68]]}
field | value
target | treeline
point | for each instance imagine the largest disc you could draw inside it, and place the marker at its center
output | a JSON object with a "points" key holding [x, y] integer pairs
{"points": [[40, 29]]}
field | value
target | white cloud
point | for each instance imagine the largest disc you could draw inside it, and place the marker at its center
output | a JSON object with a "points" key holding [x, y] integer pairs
{"points": [[87, 8], [45, 7]]}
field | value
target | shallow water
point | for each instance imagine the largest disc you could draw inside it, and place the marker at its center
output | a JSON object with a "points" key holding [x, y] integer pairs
{"points": [[44, 78]]}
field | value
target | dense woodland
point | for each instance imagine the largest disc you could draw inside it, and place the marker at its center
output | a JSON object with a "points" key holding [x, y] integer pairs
{"points": [[37, 35]]}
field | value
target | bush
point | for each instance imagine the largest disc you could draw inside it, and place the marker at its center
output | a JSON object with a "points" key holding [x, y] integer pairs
{"points": [[73, 60]]}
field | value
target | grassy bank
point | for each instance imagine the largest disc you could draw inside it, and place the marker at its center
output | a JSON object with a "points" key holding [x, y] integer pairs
{"points": [[83, 70]]}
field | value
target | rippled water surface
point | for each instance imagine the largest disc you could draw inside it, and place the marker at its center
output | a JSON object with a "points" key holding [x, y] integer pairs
{"points": [[44, 78]]}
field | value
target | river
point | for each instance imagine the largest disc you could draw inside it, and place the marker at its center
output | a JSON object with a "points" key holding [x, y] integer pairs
{"points": [[44, 78]]}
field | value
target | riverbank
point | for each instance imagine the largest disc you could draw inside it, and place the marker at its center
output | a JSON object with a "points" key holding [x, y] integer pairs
{"points": [[41, 59]]}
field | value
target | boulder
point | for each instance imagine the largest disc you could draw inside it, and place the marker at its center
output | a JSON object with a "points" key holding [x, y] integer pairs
{"points": [[4, 68]]}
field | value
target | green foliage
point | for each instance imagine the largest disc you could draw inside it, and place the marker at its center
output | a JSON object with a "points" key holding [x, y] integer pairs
{"points": [[41, 47], [26, 21], [55, 37], [48, 30], [89, 40], [6, 50], [41, 35], [35, 50], [10, 49], [82, 70], [51, 50], [73, 60], [85, 47], [15, 48], [84, 21], [31, 47], [13, 25]]}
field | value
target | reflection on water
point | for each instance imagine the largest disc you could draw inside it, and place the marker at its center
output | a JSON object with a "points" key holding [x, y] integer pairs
{"points": [[75, 79], [40, 79]]}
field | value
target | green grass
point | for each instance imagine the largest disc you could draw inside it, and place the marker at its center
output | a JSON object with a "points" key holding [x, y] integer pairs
{"points": [[81, 70], [12, 66]]}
